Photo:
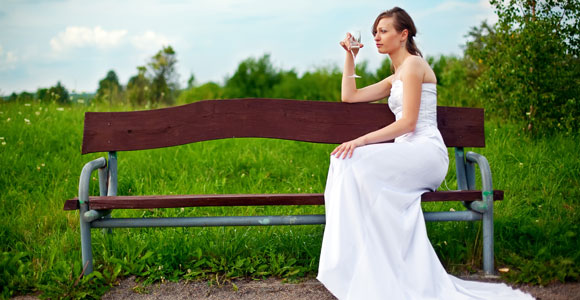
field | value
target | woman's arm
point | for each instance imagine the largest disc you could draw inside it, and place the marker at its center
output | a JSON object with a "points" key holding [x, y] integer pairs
{"points": [[373, 92], [349, 92], [412, 84]]}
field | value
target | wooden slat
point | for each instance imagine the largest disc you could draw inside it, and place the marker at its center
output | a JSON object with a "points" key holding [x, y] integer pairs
{"points": [[310, 121], [174, 201], [461, 126], [458, 196]]}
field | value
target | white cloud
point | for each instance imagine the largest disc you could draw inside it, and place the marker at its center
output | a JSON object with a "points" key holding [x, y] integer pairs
{"points": [[487, 12], [481, 10], [77, 37], [7, 59], [150, 41]]}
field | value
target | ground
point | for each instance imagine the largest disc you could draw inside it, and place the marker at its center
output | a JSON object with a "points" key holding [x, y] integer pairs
{"points": [[275, 289], [272, 288]]}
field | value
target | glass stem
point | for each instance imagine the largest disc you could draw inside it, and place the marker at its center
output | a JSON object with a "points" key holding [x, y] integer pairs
{"points": [[353, 63]]}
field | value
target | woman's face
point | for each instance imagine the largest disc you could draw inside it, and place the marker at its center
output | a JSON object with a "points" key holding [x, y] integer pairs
{"points": [[387, 39]]}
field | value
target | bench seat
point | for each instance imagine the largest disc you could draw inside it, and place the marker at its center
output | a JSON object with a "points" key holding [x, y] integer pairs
{"points": [[175, 201]]}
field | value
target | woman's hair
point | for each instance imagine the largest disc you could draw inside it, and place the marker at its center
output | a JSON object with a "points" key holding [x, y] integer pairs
{"points": [[401, 21]]}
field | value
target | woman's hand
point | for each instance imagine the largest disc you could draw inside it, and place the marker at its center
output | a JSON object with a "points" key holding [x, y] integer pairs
{"points": [[347, 148], [347, 42]]}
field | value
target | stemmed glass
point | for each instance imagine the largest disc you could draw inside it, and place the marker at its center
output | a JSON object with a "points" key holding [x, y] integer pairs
{"points": [[354, 44]]}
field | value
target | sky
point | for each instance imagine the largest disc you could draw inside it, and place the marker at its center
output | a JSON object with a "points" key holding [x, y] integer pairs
{"points": [[77, 42]]}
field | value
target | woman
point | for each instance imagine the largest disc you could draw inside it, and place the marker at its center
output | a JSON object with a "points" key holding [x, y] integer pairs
{"points": [[375, 243]]}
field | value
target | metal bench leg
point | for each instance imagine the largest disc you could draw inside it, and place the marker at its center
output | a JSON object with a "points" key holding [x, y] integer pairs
{"points": [[108, 184], [488, 255], [103, 186], [84, 182], [485, 206], [86, 246]]}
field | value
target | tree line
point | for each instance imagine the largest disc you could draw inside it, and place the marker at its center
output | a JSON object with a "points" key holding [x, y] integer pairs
{"points": [[524, 68]]}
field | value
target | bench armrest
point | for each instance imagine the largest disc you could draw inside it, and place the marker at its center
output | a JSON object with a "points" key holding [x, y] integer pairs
{"points": [[85, 179], [471, 158]]}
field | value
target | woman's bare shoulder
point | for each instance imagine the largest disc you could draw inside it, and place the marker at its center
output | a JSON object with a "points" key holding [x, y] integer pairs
{"points": [[419, 67]]}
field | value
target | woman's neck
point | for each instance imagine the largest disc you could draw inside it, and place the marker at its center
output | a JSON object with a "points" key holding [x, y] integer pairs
{"points": [[398, 57]]}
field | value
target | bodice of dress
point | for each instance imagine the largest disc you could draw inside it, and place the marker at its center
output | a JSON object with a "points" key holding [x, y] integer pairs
{"points": [[428, 109], [427, 120]]}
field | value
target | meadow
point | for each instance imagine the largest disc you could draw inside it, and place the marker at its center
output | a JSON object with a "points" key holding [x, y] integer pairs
{"points": [[536, 226]]}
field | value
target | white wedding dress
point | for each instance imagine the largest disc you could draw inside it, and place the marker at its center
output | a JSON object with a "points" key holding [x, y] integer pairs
{"points": [[375, 242]]}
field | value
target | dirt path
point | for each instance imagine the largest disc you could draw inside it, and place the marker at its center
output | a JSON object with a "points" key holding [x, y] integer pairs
{"points": [[275, 289]]}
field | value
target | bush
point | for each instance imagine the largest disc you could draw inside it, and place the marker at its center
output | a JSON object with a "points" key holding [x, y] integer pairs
{"points": [[529, 63]]}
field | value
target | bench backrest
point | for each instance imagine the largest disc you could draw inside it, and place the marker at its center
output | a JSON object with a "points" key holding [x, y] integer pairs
{"points": [[309, 121]]}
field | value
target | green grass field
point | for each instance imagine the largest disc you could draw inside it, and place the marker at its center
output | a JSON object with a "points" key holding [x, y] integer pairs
{"points": [[536, 226]]}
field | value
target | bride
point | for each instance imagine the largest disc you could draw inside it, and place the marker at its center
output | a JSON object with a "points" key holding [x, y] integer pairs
{"points": [[375, 242]]}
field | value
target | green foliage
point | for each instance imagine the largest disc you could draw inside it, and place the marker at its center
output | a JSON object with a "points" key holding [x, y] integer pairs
{"points": [[58, 93], [164, 77], [456, 79], [42, 95], [385, 70], [260, 78], [138, 90], [55, 94], [16, 274], [207, 91], [191, 81], [24, 97], [530, 70], [253, 78], [320, 84], [155, 84], [110, 90]]}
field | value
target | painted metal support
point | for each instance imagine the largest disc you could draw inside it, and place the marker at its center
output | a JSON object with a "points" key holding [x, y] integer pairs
{"points": [[92, 215], [470, 175], [460, 169], [112, 188], [111, 184], [438, 216], [84, 183], [98, 222], [103, 181], [103, 186], [486, 206], [210, 221]]}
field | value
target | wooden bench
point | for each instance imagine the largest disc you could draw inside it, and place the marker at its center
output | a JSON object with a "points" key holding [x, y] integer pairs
{"points": [[308, 121]]}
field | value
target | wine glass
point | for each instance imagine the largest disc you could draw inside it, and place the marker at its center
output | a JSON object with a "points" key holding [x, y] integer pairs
{"points": [[354, 44]]}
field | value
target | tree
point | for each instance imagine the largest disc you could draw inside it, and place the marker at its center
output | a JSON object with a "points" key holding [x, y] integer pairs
{"points": [[42, 95], [109, 88], [57, 93], [13, 97], [206, 91], [253, 78], [385, 70], [164, 79], [455, 81], [138, 88], [191, 81], [529, 63]]}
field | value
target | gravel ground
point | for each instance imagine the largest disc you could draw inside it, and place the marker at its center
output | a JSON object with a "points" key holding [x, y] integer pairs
{"points": [[271, 288], [276, 289]]}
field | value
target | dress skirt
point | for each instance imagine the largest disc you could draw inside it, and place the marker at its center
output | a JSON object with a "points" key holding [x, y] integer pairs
{"points": [[375, 243]]}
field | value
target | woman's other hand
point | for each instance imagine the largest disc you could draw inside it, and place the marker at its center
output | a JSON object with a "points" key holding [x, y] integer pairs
{"points": [[346, 149], [347, 42]]}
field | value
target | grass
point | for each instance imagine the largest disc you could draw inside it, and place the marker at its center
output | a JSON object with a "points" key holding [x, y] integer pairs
{"points": [[536, 226]]}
